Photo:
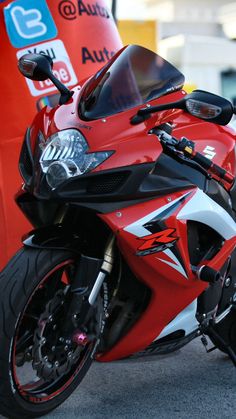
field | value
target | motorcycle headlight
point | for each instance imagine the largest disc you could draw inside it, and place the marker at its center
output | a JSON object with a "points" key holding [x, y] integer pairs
{"points": [[65, 155]]}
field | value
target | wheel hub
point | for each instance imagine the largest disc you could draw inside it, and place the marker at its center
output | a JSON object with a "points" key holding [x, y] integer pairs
{"points": [[54, 354]]}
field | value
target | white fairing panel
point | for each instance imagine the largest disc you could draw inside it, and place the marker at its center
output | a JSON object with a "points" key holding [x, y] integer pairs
{"points": [[186, 320], [203, 209], [175, 264]]}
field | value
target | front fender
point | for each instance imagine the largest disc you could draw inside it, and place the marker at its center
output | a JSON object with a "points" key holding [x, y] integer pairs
{"points": [[53, 237]]}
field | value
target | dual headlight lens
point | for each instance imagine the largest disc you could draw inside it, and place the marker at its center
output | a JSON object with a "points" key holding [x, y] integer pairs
{"points": [[65, 155]]}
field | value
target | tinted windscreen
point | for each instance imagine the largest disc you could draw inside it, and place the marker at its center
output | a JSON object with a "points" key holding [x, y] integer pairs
{"points": [[136, 76]]}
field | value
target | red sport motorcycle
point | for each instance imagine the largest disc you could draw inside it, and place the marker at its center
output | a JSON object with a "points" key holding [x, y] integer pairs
{"points": [[129, 183]]}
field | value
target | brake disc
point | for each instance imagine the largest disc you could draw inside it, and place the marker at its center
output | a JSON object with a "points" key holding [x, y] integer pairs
{"points": [[53, 354]]}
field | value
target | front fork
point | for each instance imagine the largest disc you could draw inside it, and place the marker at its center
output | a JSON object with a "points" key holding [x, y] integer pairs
{"points": [[88, 280], [105, 270]]}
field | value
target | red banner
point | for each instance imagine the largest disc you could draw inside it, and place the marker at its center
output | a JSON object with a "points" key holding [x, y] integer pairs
{"points": [[80, 36]]}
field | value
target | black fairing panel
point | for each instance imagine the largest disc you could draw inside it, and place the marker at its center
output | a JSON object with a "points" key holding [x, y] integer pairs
{"points": [[233, 195], [105, 186], [216, 192], [119, 187], [175, 173], [52, 237], [137, 182], [74, 233], [229, 291]]}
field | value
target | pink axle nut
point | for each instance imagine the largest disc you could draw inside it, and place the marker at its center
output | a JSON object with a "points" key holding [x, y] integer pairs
{"points": [[80, 338]]}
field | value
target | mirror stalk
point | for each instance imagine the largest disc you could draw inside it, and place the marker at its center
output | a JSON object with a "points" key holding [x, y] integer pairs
{"points": [[66, 94], [200, 104]]}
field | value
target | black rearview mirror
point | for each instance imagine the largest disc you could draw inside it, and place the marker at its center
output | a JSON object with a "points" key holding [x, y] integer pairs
{"points": [[36, 66], [209, 107], [39, 67]]}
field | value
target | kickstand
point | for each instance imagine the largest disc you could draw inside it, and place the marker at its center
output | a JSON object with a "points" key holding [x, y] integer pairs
{"points": [[205, 344]]}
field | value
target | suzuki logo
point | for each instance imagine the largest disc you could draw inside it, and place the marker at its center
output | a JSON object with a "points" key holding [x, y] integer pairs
{"points": [[157, 242], [209, 152]]}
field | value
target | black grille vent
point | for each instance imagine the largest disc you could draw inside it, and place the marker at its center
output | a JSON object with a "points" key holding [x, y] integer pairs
{"points": [[106, 184], [26, 159]]}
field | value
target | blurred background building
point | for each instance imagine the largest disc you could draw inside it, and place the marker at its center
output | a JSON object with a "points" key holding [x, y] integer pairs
{"points": [[198, 37]]}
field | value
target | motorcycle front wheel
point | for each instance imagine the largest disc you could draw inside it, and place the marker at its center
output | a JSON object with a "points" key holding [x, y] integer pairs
{"points": [[39, 366]]}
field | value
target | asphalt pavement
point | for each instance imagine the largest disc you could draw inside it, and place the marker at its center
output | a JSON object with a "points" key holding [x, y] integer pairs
{"points": [[186, 384]]}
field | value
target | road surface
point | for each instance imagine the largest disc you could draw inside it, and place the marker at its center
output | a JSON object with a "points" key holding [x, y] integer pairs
{"points": [[185, 385]]}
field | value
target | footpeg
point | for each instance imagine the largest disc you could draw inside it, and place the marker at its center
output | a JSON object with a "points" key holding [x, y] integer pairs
{"points": [[205, 344]]}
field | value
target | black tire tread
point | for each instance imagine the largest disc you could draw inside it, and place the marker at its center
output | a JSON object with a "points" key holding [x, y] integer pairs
{"points": [[17, 282]]}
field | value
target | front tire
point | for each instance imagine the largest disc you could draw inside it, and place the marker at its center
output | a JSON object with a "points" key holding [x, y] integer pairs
{"points": [[31, 285]]}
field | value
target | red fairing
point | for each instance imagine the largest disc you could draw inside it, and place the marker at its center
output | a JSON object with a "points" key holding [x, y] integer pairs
{"points": [[133, 144], [170, 279], [219, 141], [167, 274]]}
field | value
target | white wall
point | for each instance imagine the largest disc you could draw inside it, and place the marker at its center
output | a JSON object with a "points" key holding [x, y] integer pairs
{"points": [[201, 59]]}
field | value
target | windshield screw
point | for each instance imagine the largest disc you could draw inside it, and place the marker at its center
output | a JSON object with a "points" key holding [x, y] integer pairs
{"points": [[119, 214], [104, 120], [169, 199], [148, 105]]}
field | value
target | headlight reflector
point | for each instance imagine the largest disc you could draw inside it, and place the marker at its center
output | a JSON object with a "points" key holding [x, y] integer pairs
{"points": [[65, 155]]}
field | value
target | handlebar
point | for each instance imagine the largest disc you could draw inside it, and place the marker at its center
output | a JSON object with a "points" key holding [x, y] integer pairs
{"points": [[186, 147]]}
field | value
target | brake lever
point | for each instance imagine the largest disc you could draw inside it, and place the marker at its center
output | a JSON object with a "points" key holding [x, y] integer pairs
{"points": [[169, 144]]}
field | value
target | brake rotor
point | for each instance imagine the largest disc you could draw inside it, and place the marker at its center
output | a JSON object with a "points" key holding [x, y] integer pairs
{"points": [[53, 354]]}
